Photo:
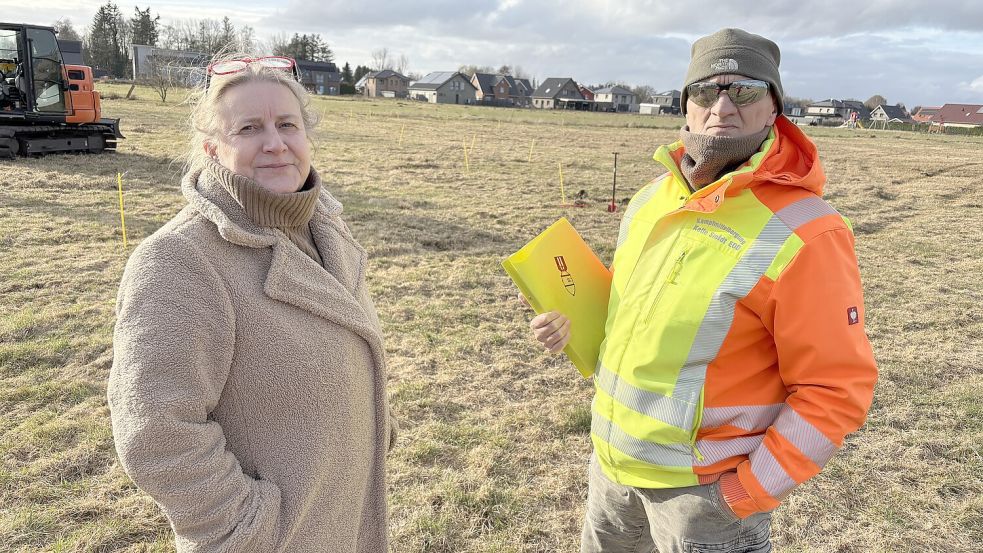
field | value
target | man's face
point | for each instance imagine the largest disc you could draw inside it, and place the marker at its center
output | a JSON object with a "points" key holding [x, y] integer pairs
{"points": [[723, 118]]}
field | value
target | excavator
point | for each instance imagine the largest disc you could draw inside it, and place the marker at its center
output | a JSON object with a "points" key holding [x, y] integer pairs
{"points": [[47, 106]]}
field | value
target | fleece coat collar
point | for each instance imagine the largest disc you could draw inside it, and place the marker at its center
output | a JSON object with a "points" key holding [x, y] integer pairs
{"points": [[293, 277]]}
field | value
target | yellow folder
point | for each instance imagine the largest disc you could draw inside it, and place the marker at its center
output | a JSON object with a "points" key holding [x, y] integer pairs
{"points": [[557, 271]]}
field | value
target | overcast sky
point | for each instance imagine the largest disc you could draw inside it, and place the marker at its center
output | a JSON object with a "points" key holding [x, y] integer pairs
{"points": [[911, 51]]}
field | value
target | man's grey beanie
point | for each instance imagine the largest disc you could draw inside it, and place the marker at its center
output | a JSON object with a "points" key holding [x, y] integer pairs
{"points": [[734, 51]]}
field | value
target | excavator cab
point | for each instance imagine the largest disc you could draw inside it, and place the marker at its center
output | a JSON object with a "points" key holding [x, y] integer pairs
{"points": [[45, 105]]}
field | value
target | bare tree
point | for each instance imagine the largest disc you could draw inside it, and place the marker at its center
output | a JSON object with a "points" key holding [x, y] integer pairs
{"points": [[470, 70], [874, 101], [159, 76], [65, 29], [643, 92], [247, 39], [381, 59], [277, 44], [402, 64]]}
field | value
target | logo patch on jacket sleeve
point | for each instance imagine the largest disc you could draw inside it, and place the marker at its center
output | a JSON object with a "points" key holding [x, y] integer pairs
{"points": [[852, 315]]}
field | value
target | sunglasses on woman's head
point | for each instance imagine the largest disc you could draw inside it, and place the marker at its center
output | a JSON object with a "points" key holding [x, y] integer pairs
{"points": [[229, 67], [741, 93]]}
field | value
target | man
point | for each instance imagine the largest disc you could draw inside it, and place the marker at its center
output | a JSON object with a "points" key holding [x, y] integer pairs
{"points": [[735, 360]]}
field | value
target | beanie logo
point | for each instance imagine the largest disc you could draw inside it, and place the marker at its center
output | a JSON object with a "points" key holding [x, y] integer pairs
{"points": [[724, 64]]}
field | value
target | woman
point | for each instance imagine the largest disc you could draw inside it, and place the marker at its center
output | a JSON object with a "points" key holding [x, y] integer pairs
{"points": [[248, 382]]}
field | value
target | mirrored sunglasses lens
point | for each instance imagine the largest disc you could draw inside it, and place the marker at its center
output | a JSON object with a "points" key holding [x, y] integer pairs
{"points": [[703, 94], [743, 95]]}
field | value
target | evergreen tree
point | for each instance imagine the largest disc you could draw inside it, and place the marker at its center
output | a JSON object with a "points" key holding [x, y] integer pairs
{"points": [[346, 74], [360, 72], [107, 44], [307, 47], [144, 29], [227, 39]]}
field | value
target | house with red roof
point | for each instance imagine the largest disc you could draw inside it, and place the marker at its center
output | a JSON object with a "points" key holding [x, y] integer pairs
{"points": [[924, 114], [959, 115]]}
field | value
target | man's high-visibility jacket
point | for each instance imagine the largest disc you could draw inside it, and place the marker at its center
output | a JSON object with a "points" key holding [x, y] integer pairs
{"points": [[734, 345]]}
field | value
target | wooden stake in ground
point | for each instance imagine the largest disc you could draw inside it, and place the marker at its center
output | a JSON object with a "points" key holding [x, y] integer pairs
{"points": [[613, 206], [401, 129], [563, 194], [473, 136], [122, 217]]}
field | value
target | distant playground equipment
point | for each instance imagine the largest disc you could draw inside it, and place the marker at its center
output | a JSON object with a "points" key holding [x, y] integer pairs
{"points": [[853, 122]]}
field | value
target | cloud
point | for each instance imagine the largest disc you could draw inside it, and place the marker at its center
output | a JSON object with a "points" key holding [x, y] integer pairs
{"points": [[566, 19], [917, 52]]}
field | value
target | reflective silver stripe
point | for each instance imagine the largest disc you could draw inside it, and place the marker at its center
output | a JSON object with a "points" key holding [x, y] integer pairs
{"points": [[806, 437], [801, 212], [720, 314], [652, 404], [714, 451], [738, 284], [638, 203], [770, 474], [747, 417], [666, 455]]}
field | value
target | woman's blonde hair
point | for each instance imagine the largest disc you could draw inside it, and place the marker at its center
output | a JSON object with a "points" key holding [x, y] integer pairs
{"points": [[205, 103]]}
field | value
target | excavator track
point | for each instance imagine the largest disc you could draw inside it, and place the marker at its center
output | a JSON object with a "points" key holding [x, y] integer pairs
{"points": [[38, 140]]}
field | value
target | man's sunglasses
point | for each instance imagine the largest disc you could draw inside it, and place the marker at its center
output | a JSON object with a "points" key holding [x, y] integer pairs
{"points": [[741, 93]]}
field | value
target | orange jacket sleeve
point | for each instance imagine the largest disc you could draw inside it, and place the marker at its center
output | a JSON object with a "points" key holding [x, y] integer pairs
{"points": [[816, 315]]}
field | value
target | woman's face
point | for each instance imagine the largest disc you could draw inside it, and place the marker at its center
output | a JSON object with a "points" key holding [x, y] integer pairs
{"points": [[262, 136]]}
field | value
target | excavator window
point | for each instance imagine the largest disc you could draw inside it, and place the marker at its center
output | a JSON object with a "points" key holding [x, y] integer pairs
{"points": [[46, 58]]}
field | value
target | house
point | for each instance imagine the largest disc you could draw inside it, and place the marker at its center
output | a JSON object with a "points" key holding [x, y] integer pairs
{"points": [[790, 110], [959, 115], [501, 90], [524, 90], [180, 65], [560, 93], [615, 98], [383, 84], [924, 114], [493, 90], [322, 78], [890, 114], [444, 87], [587, 93], [832, 109], [663, 103]]}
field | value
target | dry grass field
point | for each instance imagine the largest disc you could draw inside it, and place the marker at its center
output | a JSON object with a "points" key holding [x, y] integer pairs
{"points": [[495, 434]]}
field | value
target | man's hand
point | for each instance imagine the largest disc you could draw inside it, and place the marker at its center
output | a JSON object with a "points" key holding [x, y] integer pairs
{"points": [[552, 329]]}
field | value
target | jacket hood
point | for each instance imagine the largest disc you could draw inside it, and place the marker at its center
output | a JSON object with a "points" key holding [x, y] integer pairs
{"points": [[787, 157], [207, 196]]}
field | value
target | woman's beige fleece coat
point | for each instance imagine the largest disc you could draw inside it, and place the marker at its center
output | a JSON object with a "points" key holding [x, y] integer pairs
{"points": [[248, 384]]}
